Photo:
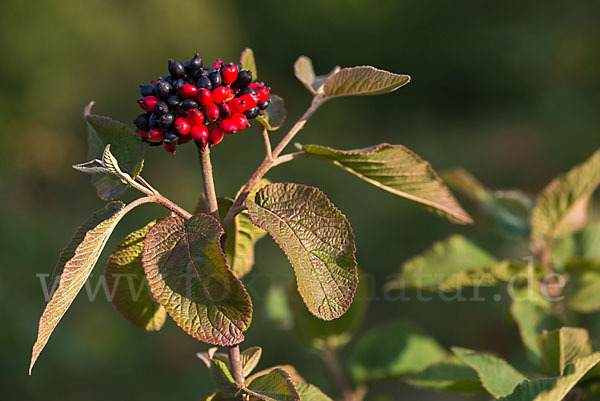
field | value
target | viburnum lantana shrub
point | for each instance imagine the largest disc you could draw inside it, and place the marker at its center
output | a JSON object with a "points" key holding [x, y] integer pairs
{"points": [[193, 264]]}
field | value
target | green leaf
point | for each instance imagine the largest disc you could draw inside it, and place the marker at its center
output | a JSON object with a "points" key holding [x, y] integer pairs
{"points": [[250, 358], [554, 389], [303, 70], [561, 347], [276, 385], [449, 374], [392, 350], [449, 264], [289, 369], [562, 206], [580, 250], [318, 241], [248, 63], [509, 211], [496, 375], [92, 167], [308, 392], [125, 276], [274, 115], [398, 170], [222, 377], [74, 265], [241, 237], [126, 146], [316, 333], [582, 291], [363, 80], [533, 314], [188, 275]]}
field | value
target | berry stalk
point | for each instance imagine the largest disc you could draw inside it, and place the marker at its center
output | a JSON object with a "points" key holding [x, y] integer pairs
{"points": [[210, 195]]}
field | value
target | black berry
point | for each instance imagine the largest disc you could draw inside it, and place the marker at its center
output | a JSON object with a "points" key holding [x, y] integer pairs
{"points": [[252, 113], [173, 102], [247, 90], [147, 90], [176, 69], [215, 79], [224, 111], [194, 64], [244, 79], [161, 108], [165, 121], [153, 121], [189, 104], [264, 105], [204, 82], [142, 122], [162, 89], [170, 137]]}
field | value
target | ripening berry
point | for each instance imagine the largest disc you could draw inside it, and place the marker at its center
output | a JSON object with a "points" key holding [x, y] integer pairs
{"points": [[144, 134], [182, 125], [237, 105], [215, 78], [255, 85], [218, 63], [147, 90], [212, 112], [224, 111], [161, 107], [240, 120], [141, 122], [176, 69], [165, 121], [222, 94], [228, 126], [148, 103], [199, 133], [169, 147], [250, 100], [162, 89], [252, 113], [204, 82], [156, 135], [263, 94], [204, 96], [189, 104], [229, 74], [195, 116], [188, 91], [243, 79], [215, 135]]}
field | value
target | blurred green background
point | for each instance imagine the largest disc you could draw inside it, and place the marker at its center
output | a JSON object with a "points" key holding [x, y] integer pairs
{"points": [[510, 90]]}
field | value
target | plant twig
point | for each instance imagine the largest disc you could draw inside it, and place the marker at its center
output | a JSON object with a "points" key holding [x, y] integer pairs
{"points": [[330, 358], [236, 364], [210, 196], [155, 196], [288, 157], [268, 151], [270, 161]]}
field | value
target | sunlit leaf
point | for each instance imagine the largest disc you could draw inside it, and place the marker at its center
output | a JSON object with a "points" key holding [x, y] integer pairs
{"points": [[248, 63], [318, 241], [276, 385], [582, 291], [188, 275], [496, 375], [126, 280], [562, 207], [308, 392], [222, 377], [303, 70], [363, 80], [398, 170], [561, 347]]}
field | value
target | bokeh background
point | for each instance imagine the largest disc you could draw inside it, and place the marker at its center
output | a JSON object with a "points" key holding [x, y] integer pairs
{"points": [[509, 90]]}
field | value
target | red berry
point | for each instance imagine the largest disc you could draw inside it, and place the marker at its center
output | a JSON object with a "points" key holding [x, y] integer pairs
{"points": [[263, 94], [255, 85], [199, 133], [222, 94], [229, 74], [237, 105], [142, 133], [156, 135], [169, 147], [218, 63], [184, 139], [240, 120], [215, 136], [148, 103], [195, 116], [188, 91], [250, 100], [182, 125], [204, 96], [228, 126], [212, 112]]}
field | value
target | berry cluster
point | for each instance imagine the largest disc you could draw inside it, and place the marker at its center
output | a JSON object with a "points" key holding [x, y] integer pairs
{"points": [[199, 103]]}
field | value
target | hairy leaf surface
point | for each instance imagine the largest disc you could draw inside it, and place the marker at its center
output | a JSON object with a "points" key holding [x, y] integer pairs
{"points": [[188, 275], [363, 80], [276, 385], [126, 280], [318, 240], [73, 268], [398, 170], [303, 70]]}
